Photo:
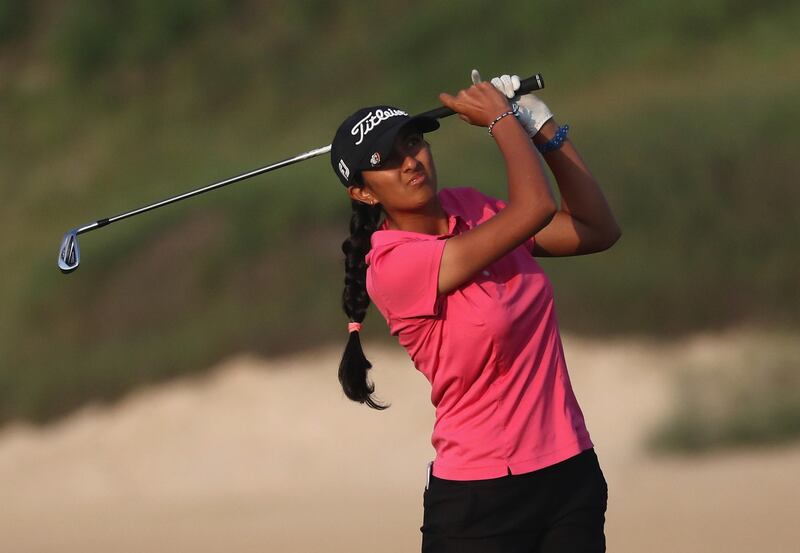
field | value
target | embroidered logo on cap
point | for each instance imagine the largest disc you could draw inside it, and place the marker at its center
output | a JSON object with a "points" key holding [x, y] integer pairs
{"points": [[375, 159], [372, 120], [343, 169]]}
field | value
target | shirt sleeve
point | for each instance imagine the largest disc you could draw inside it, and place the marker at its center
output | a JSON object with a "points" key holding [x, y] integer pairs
{"points": [[404, 279]]}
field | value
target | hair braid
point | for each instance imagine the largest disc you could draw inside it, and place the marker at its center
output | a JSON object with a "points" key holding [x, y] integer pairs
{"points": [[355, 301]]}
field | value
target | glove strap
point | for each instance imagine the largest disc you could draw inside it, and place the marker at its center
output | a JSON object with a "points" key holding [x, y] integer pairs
{"points": [[556, 142]]}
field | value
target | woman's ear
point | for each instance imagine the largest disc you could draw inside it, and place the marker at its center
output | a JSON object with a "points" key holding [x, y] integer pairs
{"points": [[361, 194]]}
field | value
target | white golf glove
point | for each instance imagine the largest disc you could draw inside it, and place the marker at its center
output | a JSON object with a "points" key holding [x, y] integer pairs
{"points": [[532, 112]]}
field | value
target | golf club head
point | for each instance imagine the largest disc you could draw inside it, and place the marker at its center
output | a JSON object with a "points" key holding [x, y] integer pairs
{"points": [[69, 255]]}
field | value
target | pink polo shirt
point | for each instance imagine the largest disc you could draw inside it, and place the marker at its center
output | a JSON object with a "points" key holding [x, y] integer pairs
{"points": [[490, 349]]}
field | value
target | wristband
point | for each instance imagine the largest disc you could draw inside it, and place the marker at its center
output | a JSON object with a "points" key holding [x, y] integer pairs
{"points": [[499, 117], [556, 142]]}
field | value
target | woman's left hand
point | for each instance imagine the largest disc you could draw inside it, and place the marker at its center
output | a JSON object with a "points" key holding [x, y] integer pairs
{"points": [[532, 113]]}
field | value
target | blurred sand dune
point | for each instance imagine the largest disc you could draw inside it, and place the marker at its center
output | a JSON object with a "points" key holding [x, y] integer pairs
{"points": [[268, 455]]}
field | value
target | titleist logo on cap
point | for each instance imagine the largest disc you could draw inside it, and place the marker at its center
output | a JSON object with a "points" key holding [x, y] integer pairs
{"points": [[372, 120]]}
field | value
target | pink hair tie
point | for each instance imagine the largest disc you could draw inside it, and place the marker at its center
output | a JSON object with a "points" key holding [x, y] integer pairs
{"points": [[351, 327]]}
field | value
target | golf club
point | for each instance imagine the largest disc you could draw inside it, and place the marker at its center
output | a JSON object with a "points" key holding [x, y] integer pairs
{"points": [[69, 254]]}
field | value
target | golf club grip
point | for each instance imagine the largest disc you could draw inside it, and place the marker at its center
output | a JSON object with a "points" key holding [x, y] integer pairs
{"points": [[528, 85]]}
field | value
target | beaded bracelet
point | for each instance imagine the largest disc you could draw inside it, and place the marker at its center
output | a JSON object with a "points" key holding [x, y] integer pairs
{"points": [[556, 142], [499, 117]]}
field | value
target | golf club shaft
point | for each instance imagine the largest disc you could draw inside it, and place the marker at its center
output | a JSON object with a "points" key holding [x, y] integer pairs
{"points": [[528, 85], [283, 163]]}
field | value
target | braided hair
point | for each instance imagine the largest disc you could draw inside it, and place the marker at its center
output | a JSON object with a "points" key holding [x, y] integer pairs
{"points": [[355, 301]]}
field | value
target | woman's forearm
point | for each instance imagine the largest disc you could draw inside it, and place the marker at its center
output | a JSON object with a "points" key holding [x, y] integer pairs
{"points": [[527, 183], [581, 196]]}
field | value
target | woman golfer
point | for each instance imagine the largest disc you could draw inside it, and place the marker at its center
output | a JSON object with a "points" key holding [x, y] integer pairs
{"points": [[453, 273]]}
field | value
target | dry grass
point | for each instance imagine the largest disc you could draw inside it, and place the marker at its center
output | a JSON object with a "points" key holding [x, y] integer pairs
{"points": [[741, 394]]}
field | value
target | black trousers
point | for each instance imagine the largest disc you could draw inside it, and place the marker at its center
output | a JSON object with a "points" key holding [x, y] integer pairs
{"points": [[560, 508]]}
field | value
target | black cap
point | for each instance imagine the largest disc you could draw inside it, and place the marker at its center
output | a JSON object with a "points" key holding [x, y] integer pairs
{"points": [[365, 139]]}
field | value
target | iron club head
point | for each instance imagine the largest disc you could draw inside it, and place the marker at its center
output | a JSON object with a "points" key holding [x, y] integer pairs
{"points": [[69, 255]]}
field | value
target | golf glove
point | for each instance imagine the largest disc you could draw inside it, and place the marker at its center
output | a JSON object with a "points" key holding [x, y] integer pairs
{"points": [[532, 112]]}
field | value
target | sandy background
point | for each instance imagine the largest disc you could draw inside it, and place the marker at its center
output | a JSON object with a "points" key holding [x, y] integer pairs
{"points": [[268, 455]]}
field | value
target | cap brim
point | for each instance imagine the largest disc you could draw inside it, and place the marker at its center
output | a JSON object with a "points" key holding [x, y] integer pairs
{"points": [[424, 124], [384, 144]]}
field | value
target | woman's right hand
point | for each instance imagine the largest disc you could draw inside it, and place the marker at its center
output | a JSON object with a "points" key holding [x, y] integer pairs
{"points": [[478, 105]]}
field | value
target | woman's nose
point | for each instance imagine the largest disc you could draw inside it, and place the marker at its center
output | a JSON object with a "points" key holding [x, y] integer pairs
{"points": [[410, 162]]}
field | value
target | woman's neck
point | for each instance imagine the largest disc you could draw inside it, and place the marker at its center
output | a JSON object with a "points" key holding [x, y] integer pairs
{"points": [[434, 222]]}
